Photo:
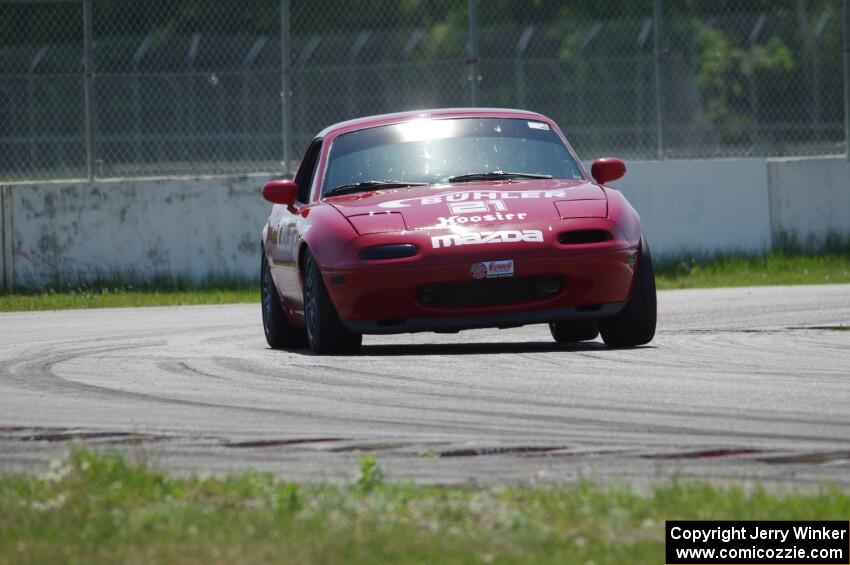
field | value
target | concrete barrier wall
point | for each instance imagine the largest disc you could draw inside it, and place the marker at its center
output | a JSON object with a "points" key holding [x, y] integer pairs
{"points": [[137, 229], [702, 206], [207, 227], [810, 198]]}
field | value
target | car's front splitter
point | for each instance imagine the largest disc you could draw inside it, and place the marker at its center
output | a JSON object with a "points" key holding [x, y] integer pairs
{"points": [[512, 319]]}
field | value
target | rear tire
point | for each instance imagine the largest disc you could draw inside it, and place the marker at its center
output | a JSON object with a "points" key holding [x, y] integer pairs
{"points": [[573, 332], [280, 334], [635, 324], [325, 331]]}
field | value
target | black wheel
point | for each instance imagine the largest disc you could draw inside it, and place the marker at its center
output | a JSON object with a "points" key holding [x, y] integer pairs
{"points": [[280, 334], [325, 331], [635, 324], [573, 332]]}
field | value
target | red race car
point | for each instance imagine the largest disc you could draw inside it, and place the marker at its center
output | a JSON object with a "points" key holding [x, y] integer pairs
{"points": [[447, 220]]}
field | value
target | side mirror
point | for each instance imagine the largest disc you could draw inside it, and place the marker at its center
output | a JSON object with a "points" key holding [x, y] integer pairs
{"points": [[606, 169], [281, 192]]}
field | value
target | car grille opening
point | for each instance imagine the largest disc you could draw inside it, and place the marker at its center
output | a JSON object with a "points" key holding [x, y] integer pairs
{"points": [[493, 292], [579, 237]]}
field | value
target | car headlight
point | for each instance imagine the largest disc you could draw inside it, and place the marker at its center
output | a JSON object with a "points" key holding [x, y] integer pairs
{"points": [[393, 251]]}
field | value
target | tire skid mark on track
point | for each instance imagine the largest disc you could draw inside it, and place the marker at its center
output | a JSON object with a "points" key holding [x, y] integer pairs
{"points": [[331, 395], [708, 362], [309, 376], [37, 370], [536, 404], [761, 358], [108, 392], [302, 373], [416, 405], [184, 368], [526, 417], [573, 406], [230, 337]]}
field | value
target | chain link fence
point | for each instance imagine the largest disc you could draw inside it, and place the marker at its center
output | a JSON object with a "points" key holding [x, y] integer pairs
{"points": [[120, 88]]}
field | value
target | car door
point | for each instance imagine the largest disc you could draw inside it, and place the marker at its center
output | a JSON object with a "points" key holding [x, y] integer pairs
{"points": [[287, 225]]}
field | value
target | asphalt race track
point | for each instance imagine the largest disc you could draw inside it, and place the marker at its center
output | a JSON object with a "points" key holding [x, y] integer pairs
{"points": [[738, 384]]}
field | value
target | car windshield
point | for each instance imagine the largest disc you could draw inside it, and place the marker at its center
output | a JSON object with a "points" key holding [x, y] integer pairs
{"points": [[436, 150]]}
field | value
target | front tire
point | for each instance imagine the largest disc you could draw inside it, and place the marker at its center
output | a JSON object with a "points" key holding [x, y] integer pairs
{"points": [[280, 334], [325, 331], [635, 324], [574, 332]]}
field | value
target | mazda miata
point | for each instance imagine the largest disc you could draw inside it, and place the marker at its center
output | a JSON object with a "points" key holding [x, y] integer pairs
{"points": [[446, 220]]}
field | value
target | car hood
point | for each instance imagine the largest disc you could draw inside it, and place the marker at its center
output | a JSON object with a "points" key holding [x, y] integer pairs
{"points": [[491, 202]]}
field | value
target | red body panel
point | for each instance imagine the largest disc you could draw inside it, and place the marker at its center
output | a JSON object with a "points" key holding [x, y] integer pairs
{"points": [[453, 226]]}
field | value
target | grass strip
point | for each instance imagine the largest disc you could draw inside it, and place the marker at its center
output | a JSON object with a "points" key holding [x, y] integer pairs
{"points": [[776, 268], [117, 292], [123, 298], [99, 508]]}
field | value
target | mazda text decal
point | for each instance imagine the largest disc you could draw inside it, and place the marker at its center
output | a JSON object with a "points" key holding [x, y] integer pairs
{"points": [[476, 195], [479, 238]]}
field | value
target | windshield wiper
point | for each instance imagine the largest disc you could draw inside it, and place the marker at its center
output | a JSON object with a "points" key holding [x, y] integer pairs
{"points": [[369, 185], [497, 175]]}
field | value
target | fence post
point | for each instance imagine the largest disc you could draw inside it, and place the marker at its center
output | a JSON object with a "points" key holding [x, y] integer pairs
{"points": [[519, 67], [657, 54], [473, 61], [137, 96], [191, 104], [88, 86], [31, 101], [847, 76], [7, 235], [285, 86], [354, 52], [754, 92], [640, 90], [816, 88]]}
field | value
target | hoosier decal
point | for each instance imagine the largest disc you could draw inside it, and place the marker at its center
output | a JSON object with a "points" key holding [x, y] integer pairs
{"points": [[457, 220]]}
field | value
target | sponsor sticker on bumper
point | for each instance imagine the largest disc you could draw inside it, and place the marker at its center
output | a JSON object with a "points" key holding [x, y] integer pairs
{"points": [[492, 269]]}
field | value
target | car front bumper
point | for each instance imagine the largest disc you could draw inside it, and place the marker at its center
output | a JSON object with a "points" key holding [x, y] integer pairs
{"points": [[385, 296]]}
